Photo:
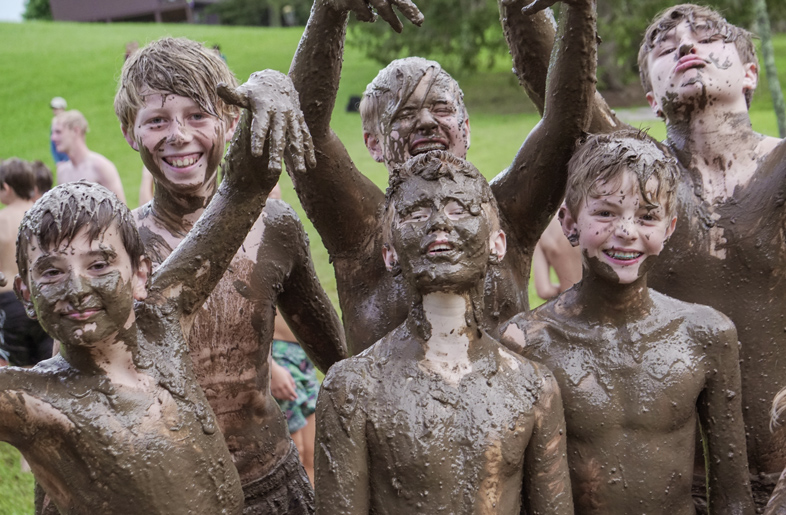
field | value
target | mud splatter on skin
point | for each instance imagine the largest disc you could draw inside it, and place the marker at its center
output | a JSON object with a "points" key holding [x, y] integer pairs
{"points": [[345, 207], [116, 422]]}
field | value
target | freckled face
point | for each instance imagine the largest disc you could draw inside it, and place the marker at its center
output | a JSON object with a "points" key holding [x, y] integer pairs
{"points": [[694, 66], [84, 291], [441, 234], [618, 231], [432, 118], [179, 143]]}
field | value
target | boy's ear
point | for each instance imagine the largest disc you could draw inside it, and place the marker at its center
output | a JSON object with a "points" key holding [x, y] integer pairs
{"points": [[469, 130], [390, 257], [374, 147], [498, 244], [751, 79], [23, 294], [654, 105], [128, 138], [230, 132], [670, 228], [568, 223], [140, 278]]}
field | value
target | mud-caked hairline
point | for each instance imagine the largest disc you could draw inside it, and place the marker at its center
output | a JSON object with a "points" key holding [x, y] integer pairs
{"points": [[433, 166], [603, 158], [61, 213], [176, 66], [696, 15]]}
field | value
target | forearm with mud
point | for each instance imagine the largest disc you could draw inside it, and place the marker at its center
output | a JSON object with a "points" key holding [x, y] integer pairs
{"points": [[530, 40], [529, 192], [339, 200], [201, 259]]}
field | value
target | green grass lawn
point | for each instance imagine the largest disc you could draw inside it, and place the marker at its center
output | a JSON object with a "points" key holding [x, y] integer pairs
{"points": [[81, 62]]}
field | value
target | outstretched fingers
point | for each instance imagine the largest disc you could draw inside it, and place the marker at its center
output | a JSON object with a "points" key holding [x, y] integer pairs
{"points": [[260, 126], [278, 140], [232, 96]]}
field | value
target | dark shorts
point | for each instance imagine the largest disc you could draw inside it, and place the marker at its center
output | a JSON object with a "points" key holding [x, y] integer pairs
{"points": [[23, 342], [292, 357], [762, 486], [285, 490]]}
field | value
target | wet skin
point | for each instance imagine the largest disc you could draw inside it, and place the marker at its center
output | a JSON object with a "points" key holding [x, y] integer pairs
{"points": [[230, 340], [116, 422], [437, 416], [345, 206], [727, 250]]}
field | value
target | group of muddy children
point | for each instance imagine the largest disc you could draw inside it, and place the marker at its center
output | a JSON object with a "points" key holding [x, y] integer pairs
{"points": [[612, 398]]}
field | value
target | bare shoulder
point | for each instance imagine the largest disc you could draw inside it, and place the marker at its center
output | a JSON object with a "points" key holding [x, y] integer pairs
{"points": [[280, 231], [530, 376], [530, 330], [102, 163], [33, 390], [703, 322]]}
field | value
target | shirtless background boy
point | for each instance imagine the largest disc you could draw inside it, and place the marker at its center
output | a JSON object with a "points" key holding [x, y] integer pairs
{"points": [[69, 132], [437, 417], [411, 107], [166, 118], [635, 367]]}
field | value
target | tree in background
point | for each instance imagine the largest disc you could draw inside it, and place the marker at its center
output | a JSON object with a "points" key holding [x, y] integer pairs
{"points": [[768, 56], [37, 10]]}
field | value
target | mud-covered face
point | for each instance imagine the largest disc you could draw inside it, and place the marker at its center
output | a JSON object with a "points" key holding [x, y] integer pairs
{"points": [[696, 67], [83, 292], [179, 143], [618, 231], [441, 236], [432, 118]]}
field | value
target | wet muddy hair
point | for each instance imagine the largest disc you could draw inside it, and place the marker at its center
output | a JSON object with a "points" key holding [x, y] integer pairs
{"points": [[603, 158], [62, 212], [433, 166], [695, 15], [176, 66], [19, 176], [393, 86], [73, 119]]}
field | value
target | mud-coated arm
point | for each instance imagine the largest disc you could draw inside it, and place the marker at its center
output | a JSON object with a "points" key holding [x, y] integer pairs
{"points": [[546, 474], [720, 414], [341, 455], [340, 201], [191, 272], [530, 38], [529, 192], [306, 307], [777, 503]]}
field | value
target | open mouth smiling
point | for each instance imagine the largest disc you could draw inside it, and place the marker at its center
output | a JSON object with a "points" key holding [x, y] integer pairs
{"points": [[440, 248], [182, 161], [426, 145], [623, 255]]}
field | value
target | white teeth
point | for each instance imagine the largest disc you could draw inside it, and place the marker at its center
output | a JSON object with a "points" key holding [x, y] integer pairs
{"points": [[426, 147], [440, 247], [182, 162], [616, 254]]}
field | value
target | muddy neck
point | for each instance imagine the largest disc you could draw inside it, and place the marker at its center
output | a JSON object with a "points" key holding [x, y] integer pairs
{"points": [[180, 210], [707, 135], [606, 301], [452, 322]]}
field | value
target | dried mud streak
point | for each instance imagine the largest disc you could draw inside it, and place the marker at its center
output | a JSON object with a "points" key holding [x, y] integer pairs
{"points": [[748, 286]]}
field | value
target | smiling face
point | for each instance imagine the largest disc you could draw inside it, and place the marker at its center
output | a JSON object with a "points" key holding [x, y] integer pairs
{"points": [[617, 230], [441, 235], [83, 291], [178, 141], [695, 65], [431, 118]]}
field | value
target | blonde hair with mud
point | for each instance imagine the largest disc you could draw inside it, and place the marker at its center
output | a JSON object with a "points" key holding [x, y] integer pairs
{"points": [[177, 66]]}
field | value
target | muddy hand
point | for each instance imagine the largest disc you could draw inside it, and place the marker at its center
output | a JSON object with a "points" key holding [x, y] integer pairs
{"points": [[364, 10], [273, 101]]}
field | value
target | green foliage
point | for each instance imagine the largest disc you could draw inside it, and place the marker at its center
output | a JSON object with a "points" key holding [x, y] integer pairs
{"points": [[37, 10], [457, 33]]}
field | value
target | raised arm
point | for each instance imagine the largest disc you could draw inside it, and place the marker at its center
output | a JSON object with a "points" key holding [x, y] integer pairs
{"points": [[720, 413], [547, 488], [529, 192], [341, 455], [191, 272], [303, 302], [530, 38], [340, 201]]}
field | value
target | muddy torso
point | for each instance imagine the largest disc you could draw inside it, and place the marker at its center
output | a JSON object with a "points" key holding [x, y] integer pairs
{"points": [[126, 450], [629, 392], [230, 342], [731, 255], [433, 447], [375, 301]]}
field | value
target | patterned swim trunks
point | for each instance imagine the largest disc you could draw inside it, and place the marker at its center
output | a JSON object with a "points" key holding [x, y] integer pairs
{"points": [[290, 356]]}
